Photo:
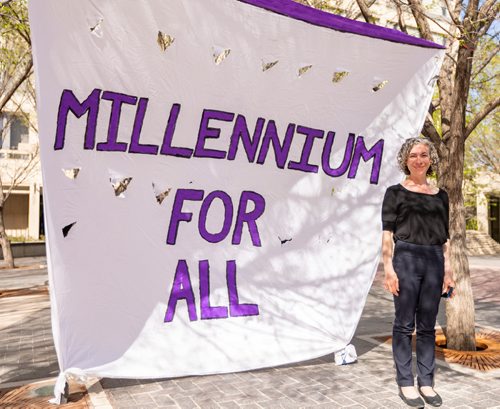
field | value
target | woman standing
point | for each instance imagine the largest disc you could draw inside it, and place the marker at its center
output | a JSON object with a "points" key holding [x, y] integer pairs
{"points": [[415, 218]]}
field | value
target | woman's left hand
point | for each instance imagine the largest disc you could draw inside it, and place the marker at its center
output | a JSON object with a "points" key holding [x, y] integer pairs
{"points": [[448, 281]]}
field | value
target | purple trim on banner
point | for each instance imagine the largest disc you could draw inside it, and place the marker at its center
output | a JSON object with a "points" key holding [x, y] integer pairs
{"points": [[228, 217], [320, 18], [235, 308], [207, 311]]}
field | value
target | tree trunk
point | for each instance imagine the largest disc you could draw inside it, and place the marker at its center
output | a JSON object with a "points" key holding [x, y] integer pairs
{"points": [[460, 328], [460, 321], [4, 240], [5, 243]]}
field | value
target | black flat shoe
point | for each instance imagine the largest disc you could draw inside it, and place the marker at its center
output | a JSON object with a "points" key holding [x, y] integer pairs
{"points": [[414, 403], [434, 400]]}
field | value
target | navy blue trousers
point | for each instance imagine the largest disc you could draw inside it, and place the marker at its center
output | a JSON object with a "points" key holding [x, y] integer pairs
{"points": [[420, 271]]}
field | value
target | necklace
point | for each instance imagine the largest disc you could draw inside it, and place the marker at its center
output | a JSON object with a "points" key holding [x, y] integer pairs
{"points": [[419, 187]]}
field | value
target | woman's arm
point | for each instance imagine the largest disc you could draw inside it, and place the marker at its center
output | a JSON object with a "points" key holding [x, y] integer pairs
{"points": [[448, 273], [391, 282]]}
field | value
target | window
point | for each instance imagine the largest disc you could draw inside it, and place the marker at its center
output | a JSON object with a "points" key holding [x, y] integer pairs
{"points": [[13, 131]]}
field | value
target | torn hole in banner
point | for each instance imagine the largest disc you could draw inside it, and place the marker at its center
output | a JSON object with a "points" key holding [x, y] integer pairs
{"points": [[71, 173], [284, 241], [304, 69], [268, 65], [120, 185], [380, 85], [339, 76], [67, 228], [164, 40], [96, 29], [220, 54], [161, 194]]}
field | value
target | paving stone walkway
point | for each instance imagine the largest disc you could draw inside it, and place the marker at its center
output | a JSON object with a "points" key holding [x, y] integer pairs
{"points": [[27, 355]]}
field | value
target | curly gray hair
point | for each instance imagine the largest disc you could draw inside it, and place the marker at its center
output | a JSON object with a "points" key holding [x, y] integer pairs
{"points": [[406, 148]]}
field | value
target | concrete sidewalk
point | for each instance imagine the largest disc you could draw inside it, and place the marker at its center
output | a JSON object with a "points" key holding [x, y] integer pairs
{"points": [[27, 355]]}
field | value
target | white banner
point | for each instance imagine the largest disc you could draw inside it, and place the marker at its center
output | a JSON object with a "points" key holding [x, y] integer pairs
{"points": [[213, 175]]}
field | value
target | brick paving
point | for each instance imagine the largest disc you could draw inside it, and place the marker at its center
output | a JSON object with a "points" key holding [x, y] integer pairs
{"points": [[27, 354]]}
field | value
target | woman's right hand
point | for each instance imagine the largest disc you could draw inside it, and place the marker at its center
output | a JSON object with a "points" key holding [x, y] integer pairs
{"points": [[391, 282]]}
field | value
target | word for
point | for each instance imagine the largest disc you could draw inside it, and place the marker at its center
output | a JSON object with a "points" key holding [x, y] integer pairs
{"points": [[256, 146], [242, 216], [182, 289]]}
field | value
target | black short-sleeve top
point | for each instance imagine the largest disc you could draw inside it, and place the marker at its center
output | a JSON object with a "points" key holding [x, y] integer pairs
{"points": [[414, 217]]}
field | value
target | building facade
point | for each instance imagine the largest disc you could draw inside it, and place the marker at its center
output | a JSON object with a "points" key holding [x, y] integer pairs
{"points": [[20, 171], [488, 204]]}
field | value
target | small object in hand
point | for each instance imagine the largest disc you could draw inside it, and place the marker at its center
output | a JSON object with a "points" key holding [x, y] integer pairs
{"points": [[448, 293]]}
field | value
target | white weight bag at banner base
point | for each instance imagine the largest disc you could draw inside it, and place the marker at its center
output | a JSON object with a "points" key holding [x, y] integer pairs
{"points": [[213, 174]]}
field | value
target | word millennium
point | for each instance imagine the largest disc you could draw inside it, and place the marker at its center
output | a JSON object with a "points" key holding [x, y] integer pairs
{"points": [[256, 147]]}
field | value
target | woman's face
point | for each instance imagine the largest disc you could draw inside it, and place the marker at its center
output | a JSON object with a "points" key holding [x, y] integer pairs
{"points": [[419, 160]]}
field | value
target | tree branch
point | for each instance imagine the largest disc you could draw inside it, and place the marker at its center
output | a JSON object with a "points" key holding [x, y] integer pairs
{"points": [[401, 20], [27, 98], [21, 27], [423, 17], [20, 75], [471, 11], [429, 131], [422, 23], [432, 107], [486, 62], [483, 113], [478, 84], [454, 13], [486, 7], [16, 23], [25, 171], [364, 11], [488, 156], [490, 16]]}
